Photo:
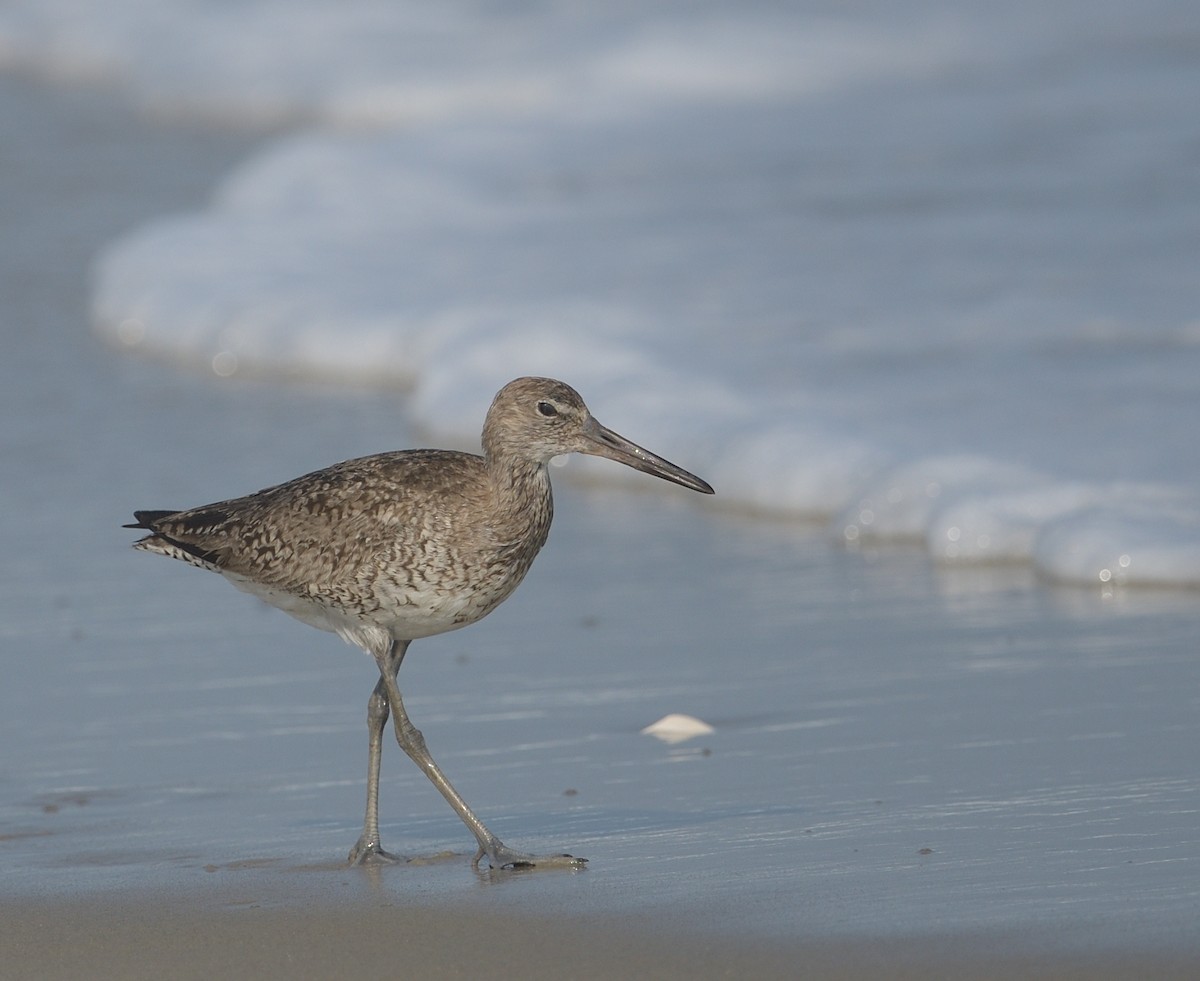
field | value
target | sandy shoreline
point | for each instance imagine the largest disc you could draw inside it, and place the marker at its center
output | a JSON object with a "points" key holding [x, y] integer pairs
{"points": [[182, 936]]}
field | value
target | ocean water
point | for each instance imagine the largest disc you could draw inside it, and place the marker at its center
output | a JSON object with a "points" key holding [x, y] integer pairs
{"points": [[923, 277], [923, 273]]}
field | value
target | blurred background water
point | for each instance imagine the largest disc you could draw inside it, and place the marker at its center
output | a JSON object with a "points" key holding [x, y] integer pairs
{"points": [[925, 272], [923, 276]]}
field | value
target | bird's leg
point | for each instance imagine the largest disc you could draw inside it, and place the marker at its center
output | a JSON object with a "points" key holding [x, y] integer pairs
{"points": [[499, 855], [368, 847]]}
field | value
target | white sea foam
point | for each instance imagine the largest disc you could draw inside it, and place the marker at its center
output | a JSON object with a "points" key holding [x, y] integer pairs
{"points": [[1123, 543], [906, 273], [385, 61]]}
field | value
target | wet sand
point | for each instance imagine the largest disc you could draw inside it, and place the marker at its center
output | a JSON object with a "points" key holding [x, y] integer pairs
{"points": [[251, 931], [296, 938]]}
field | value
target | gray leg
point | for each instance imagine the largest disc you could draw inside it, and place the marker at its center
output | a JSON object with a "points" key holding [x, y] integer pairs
{"points": [[368, 847], [499, 855]]}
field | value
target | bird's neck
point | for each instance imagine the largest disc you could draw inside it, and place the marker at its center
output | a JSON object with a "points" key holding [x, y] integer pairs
{"points": [[522, 494], [517, 479]]}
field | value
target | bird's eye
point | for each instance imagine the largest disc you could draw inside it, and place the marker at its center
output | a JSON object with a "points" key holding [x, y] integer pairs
{"points": [[547, 409]]}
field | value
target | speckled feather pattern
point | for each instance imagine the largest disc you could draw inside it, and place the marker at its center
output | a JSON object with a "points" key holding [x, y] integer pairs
{"points": [[414, 543], [405, 544], [408, 544]]}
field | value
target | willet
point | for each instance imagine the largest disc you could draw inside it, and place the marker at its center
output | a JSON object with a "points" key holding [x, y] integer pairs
{"points": [[385, 549]]}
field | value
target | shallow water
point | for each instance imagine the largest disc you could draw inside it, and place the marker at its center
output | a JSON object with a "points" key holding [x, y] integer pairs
{"points": [[898, 749]]}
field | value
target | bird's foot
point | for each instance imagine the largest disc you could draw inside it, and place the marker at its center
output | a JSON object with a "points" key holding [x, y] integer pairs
{"points": [[368, 851], [502, 857]]}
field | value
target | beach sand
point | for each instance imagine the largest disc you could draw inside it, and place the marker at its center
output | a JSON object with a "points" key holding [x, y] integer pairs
{"points": [[293, 937]]}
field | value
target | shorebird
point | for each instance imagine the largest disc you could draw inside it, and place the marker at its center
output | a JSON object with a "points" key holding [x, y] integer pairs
{"points": [[385, 549]]}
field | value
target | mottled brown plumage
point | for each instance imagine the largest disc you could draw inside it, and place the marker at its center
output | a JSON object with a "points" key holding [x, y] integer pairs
{"points": [[388, 548], [411, 544]]}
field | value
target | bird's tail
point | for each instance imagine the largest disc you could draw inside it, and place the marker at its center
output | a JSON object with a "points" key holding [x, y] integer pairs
{"points": [[171, 543], [147, 519]]}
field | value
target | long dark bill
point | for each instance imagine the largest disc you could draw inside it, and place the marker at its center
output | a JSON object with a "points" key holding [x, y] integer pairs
{"points": [[602, 441]]}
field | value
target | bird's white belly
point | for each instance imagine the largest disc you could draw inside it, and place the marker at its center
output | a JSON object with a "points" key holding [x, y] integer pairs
{"points": [[401, 615]]}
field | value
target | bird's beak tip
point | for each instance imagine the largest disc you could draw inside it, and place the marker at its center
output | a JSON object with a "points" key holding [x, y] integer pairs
{"points": [[602, 441]]}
